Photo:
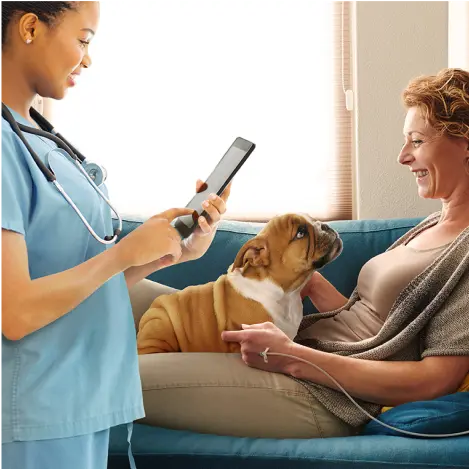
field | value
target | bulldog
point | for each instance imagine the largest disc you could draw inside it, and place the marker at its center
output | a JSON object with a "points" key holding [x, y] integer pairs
{"points": [[263, 284]]}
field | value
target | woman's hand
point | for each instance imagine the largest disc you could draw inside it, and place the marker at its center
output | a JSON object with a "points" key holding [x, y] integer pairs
{"points": [[255, 338], [154, 240], [197, 244]]}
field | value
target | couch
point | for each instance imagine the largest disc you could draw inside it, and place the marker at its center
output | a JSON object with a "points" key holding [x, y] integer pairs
{"points": [[155, 447]]}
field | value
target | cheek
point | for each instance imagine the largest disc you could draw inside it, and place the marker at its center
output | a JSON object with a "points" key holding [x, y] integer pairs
{"points": [[66, 56], [296, 250]]}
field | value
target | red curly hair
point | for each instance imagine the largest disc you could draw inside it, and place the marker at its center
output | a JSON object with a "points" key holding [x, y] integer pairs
{"points": [[443, 100]]}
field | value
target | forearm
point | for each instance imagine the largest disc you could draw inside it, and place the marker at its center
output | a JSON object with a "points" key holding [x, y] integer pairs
{"points": [[134, 274], [39, 302], [384, 383], [323, 295]]}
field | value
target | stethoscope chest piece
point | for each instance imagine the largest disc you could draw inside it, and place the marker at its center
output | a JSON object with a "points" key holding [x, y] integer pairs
{"points": [[97, 173]]}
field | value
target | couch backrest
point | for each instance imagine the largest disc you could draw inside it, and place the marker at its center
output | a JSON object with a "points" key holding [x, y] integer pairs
{"points": [[362, 240]]}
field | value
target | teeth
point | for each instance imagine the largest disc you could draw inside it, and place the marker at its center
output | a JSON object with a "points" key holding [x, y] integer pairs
{"points": [[421, 174]]}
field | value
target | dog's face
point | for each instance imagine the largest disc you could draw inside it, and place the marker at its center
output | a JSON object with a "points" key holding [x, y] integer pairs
{"points": [[288, 250]]}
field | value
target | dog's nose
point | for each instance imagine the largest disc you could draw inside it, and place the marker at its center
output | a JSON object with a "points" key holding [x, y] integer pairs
{"points": [[325, 227]]}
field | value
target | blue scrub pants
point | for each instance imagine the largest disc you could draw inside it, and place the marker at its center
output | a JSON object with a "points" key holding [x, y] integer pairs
{"points": [[78, 452]]}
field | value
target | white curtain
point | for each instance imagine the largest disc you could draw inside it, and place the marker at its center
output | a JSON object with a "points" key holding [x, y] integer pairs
{"points": [[174, 82]]}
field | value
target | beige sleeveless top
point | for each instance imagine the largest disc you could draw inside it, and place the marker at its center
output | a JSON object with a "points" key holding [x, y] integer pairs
{"points": [[380, 281]]}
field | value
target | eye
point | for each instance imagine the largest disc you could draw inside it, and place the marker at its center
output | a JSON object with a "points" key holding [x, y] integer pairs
{"points": [[83, 43], [416, 143], [302, 232]]}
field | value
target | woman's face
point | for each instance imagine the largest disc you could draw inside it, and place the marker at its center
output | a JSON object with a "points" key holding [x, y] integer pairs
{"points": [[439, 163], [58, 54]]}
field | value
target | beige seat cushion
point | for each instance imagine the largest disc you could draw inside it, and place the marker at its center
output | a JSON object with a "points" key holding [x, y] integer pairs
{"points": [[142, 295]]}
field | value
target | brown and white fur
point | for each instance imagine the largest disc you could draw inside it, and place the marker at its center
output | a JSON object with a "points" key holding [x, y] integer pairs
{"points": [[263, 284]]}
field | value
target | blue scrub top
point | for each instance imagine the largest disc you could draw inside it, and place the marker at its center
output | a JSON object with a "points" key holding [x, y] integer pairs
{"points": [[78, 374]]}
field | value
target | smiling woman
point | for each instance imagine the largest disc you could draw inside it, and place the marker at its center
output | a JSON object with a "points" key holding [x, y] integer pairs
{"points": [[60, 52], [54, 414]]}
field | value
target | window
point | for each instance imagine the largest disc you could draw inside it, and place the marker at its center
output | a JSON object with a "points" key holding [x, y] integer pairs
{"points": [[174, 82]]}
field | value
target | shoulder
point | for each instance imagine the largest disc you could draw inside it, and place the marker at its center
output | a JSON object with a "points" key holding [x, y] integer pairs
{"points": [[14, 152], [11, 143]]}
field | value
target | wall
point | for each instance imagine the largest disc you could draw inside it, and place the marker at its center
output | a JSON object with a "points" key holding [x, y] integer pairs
{"points": [[458, 34], [395, 41]]}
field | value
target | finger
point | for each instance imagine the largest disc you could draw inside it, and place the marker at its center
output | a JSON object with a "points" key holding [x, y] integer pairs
{"points": [[174, 234], [204, 225], [175, 247], [173, 213], [226, 193], [217, 202], [212, 212], [233, 336], [262, 325], [200, 186], [165, 261]]}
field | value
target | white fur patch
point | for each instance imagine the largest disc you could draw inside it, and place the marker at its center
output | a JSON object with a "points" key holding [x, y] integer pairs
{"points": [[286, 309]]}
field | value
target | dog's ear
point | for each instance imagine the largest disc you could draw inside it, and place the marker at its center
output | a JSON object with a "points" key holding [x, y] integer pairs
{"points": [[255, 252]]}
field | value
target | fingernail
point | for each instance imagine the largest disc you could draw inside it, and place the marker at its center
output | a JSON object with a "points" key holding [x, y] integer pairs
{"points": [[213, 196], [205, 204]]}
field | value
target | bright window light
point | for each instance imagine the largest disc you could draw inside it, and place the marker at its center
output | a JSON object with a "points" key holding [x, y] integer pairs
{"points": [[174, 82]]}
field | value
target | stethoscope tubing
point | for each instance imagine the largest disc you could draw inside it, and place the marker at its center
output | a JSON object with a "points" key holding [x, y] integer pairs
{"points": [[77, 158]]}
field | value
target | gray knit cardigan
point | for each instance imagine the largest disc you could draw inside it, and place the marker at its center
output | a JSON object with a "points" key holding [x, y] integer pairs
{"points": [[429, 317]]}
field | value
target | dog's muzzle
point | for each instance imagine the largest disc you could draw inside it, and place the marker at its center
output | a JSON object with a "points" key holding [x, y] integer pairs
{"points": [[335, 250]]}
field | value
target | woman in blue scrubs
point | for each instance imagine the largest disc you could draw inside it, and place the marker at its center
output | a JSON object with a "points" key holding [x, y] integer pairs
{"points": [[69, 359]]}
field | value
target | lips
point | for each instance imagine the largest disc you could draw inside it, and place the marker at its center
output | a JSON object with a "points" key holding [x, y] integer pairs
{"points": [[72, 79]]}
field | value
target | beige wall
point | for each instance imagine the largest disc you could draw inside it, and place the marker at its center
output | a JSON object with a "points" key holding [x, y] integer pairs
{"points": [[458, 34], [395, 41]]}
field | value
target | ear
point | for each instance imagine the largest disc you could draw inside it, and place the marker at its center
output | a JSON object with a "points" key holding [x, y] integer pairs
{"points": [[255, 253], [28, 26]]}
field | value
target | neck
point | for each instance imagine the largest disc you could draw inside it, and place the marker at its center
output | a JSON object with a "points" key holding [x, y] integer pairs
{"points": [[455, 211], [17, 92]]}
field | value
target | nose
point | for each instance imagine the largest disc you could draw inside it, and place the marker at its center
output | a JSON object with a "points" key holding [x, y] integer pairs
{"points": [[325, 227], [405, 156], [86, 62]]}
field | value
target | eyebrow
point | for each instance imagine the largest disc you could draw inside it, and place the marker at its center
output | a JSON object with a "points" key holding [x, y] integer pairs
{"points": [[89, 30], [413, 132]]}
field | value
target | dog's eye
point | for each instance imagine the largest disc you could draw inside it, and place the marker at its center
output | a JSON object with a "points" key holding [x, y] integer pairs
{"points": [[302, 232]]}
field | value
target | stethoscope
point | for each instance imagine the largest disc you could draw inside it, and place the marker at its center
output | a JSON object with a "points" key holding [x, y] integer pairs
{"points": [[94, 173]]}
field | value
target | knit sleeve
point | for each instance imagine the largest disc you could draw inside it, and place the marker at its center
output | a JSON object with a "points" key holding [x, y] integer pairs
{"points": [[447, 333]]}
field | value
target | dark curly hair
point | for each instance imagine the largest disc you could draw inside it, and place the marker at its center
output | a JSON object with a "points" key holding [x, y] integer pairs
{"points": [[443, 99], [48, 12]]}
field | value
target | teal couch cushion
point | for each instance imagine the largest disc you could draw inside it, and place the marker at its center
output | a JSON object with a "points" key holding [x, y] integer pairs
{"points": [[158, 447], [362, 239], [447, 414]]}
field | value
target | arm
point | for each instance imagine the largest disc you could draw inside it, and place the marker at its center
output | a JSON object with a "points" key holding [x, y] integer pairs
{"points": [[324, 296], [29, 305], [382, 382]]}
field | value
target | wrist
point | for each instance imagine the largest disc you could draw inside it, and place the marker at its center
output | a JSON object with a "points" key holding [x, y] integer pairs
{"points": [[293, 366], [120, 257], [309, 287]]}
